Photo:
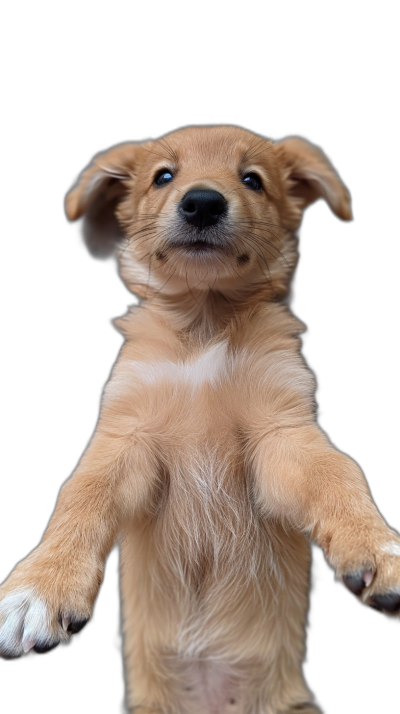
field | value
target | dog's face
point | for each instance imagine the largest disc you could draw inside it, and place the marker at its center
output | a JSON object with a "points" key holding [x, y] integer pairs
{"points": [[206, 207]]}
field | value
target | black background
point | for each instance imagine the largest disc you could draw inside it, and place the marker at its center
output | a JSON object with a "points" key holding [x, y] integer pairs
{"points": [[58, 304]]}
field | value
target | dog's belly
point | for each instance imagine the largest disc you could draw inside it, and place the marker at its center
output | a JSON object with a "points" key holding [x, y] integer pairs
{"points": [[208, 525], [207, 582], [212, 687]]}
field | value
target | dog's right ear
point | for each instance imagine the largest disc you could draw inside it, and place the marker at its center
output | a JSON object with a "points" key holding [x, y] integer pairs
{"points": [[97, 194]]}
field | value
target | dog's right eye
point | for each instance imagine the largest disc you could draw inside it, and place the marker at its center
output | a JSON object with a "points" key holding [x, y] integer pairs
{"points": [[162, 177]]}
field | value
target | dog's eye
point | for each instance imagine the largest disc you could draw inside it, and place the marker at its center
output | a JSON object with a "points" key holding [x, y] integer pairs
{"points": [[252, 181], [162, 177]]}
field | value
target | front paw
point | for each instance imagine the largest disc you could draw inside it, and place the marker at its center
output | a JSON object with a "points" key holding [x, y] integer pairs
{"points": [[374, 573], [43, 603]]}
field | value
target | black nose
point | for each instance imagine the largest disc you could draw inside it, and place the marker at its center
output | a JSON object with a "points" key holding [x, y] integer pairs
{"points": [[203, 207]]}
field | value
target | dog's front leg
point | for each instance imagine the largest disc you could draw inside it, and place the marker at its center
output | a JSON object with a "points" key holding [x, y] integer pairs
{"points": [[49, 596], [303, 480]]}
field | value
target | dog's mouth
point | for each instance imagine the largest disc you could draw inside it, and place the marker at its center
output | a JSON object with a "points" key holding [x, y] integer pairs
{"points": [[196, 246], [189, 243], [196, 243]]}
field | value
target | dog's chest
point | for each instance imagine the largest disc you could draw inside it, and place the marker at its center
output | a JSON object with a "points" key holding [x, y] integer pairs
{"points": [[210, 368], [198, 415], [207, 523]]}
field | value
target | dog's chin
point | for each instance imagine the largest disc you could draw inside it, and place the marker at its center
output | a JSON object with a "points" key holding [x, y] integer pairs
{"points": [[196, 266]]}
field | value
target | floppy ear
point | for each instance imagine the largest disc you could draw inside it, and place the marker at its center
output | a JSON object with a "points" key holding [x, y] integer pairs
{"points": [[310, 176], [97, 194]]}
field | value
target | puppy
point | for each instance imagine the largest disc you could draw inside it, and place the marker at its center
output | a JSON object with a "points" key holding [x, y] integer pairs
{"points": [[207, 464]]}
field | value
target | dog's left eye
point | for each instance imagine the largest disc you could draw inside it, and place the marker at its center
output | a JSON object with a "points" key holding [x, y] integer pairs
{"points": [[162, 177], [252, 181]]}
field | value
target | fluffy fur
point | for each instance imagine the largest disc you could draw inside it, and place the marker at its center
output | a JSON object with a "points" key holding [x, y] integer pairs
{"points": [[207, 462]]}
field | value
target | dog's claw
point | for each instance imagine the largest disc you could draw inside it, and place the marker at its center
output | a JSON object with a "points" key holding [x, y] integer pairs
{"points": [[28, 644], [357, 582], [65, 623], [73, 625]]}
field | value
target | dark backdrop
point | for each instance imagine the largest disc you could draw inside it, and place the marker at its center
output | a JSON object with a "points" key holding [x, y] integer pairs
{"points": [[60, 346]]}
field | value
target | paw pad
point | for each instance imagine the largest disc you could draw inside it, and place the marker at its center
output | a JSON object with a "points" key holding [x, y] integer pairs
{"points": [[387, 602], [42, 647]]}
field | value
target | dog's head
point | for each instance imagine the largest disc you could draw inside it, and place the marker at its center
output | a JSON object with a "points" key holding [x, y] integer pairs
{"points": [[204, 207]]}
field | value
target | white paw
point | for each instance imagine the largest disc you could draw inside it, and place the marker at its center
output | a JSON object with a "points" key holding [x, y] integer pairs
{"points": [[26, 623]]}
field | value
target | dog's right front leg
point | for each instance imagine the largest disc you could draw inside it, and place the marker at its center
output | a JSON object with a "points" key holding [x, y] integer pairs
{"points": [[49, 596]]}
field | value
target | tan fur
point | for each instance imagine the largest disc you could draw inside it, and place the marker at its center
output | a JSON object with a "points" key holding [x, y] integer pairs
{"points": [[207, 462]]}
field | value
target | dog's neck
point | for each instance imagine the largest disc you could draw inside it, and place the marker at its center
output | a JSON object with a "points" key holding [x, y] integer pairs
{"points": [[214, 312], [208, 314], [189, 322]]}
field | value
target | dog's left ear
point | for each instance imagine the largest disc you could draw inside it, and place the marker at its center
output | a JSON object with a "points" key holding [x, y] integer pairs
{"points": [[310, 175], [97, 193]]}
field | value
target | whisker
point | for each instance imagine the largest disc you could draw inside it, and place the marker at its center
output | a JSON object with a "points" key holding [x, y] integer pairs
{"points": [[262, 243], [250, 154], [170, 150], [251, 243]]}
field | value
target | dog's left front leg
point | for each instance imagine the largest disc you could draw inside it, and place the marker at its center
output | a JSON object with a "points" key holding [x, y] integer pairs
{"points": [[304, 481], [49, 596]]}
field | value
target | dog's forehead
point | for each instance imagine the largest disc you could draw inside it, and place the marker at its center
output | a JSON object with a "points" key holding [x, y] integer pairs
{"points": [[222, 146]]}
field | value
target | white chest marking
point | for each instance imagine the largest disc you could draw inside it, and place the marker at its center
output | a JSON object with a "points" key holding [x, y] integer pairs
{"points": [[209, 368]]}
